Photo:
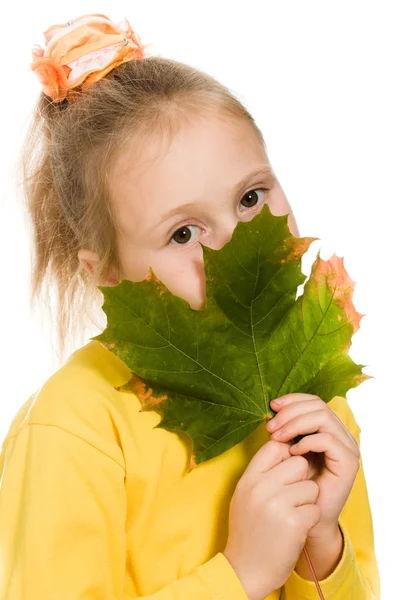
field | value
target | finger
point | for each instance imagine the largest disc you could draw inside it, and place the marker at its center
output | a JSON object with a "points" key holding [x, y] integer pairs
{"points": [[301, 403], [289, 411], [336, 453], [290, 471], [301, 492], [299, 397], [292, 398], [269, 455], [288, 426]]}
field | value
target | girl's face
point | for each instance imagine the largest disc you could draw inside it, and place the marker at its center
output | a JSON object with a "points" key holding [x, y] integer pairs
{"points": [[171, 199]]}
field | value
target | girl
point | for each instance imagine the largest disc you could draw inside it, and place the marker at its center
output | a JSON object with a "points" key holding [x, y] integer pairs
{"points": [[135, 161]]}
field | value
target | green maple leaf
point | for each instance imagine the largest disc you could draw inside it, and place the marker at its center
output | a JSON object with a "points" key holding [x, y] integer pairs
{"points": [[212, 373]]}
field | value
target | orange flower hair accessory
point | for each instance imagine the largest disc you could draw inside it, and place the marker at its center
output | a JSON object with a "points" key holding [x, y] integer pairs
{"points": [[81, 52]]}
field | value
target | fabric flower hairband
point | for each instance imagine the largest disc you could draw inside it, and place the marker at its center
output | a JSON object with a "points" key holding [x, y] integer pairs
{"points": [[81, 52]]}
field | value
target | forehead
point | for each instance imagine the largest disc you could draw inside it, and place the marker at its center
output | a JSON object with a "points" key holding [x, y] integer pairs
{"points": [[206, 155]]}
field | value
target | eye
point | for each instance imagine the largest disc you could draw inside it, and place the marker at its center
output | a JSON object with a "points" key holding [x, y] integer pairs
{"points": [[183, 235], [251, 197]]}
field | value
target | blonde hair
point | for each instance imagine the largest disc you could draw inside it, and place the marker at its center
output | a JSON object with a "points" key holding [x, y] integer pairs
{"points": [[65, 164]]}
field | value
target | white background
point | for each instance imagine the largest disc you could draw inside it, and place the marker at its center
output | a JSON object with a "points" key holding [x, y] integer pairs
{"points": [[321, 79]]}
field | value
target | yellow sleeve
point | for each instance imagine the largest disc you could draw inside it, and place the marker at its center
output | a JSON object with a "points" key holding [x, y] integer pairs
{"points": [[62, 525], [356, 575]]}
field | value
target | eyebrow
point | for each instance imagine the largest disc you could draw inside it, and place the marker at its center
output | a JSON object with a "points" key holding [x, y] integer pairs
{"points": [[265, 170]]}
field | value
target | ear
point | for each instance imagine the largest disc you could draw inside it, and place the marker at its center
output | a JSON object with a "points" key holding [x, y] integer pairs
{"points": [[90, 260]]}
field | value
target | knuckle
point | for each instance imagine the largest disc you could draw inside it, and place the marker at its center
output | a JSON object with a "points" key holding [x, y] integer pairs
{"points": [[292, 520], [300, 463], [315, 487], [273, 504], [326, 414], [318, 512], [279, 450], [257, 496], [274, 446]]}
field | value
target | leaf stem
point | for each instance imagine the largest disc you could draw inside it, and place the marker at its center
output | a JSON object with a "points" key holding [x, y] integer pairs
{"points": [[313, 573]]}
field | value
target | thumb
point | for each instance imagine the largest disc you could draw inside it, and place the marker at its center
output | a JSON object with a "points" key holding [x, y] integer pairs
{"points": [[268, 456]]}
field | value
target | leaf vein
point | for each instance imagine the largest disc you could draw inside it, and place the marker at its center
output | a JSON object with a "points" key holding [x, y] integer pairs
{"points": [[312, 337], [228, 383]]}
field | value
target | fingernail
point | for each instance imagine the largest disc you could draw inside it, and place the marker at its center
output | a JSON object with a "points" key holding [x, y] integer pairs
{"points": [[277, 402]]}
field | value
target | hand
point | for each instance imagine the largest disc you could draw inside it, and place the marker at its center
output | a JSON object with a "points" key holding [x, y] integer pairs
{"points": [[271, 512], [332, 452]]}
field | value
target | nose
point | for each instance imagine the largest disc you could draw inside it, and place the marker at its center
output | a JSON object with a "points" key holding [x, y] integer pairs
{"points": [[222, 234]]}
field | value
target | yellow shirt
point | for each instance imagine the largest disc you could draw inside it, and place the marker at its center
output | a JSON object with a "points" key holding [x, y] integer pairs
{"points": [[97, 504]]}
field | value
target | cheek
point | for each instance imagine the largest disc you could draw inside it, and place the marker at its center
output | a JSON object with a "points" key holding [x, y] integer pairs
{"points": [[134, 262], [183, 274]]}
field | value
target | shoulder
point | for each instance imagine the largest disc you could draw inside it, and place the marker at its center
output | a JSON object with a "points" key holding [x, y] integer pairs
{"points": [[342, 408], [80, 398]]}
